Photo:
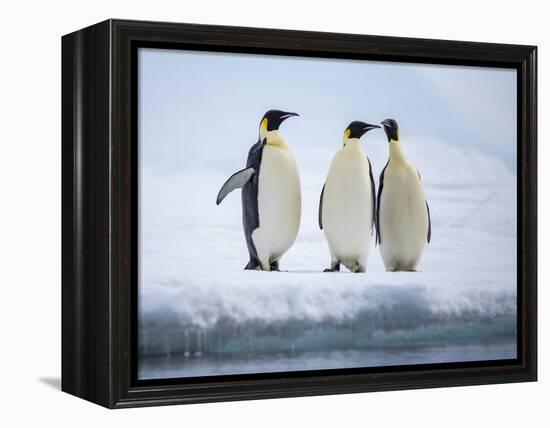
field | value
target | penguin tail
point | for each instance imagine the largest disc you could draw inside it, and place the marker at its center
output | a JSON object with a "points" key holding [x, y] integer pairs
{"points": [[251, 265]]}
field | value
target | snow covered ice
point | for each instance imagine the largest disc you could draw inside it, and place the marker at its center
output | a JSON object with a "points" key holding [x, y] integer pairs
{"points": [[201, 314]]}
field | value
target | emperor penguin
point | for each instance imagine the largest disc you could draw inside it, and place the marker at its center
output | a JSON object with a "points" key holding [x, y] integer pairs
{"points": [[271, 195], [347, 204], [402, 215]]}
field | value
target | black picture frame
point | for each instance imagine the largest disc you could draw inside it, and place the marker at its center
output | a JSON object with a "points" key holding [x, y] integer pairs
{"points": [[99, 213]]}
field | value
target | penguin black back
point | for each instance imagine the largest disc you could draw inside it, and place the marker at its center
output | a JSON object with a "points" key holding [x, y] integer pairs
{"points": [[249, 195]]}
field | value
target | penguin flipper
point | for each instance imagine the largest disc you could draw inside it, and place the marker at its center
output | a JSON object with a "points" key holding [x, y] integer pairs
{"points": [[321, 208], [429, 223], [373, 197], [378, 199], [429, 237], [236, 181]]}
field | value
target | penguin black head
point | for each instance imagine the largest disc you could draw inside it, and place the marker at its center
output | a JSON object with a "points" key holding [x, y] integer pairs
{"points": [[357, 129], [391, 129], [273, 119]]}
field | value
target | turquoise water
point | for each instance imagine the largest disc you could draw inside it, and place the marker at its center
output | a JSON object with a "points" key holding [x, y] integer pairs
{"points": [[192, 365]]}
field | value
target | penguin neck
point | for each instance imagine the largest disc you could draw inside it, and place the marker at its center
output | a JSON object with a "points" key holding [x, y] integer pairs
{"points": [[273, 138], [352, 144], [396, 152]]}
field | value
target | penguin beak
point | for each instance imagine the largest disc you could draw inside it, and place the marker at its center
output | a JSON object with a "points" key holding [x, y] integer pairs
{"points": [[287, 115], [385, 123], [369, 127]]}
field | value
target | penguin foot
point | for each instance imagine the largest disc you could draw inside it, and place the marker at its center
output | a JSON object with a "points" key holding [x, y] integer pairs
{"points": [[274, 267], [333, 268], [395, 268], [358, 269], [399, 268], [252, 266]]}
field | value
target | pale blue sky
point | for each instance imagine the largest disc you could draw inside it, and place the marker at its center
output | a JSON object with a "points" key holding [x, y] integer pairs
{"points": [[202, 108]]}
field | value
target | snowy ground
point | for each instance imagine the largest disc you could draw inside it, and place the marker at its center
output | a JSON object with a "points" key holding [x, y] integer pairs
{"points": [[201, 314]]}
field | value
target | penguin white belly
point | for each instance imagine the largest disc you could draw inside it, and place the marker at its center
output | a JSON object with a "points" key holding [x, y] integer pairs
{"points": [[279, 204], [347, 208], [403, 218]]}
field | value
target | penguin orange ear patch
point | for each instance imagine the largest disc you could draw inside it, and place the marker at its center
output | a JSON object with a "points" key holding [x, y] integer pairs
{"points": [[263, 125], [347, 132]]}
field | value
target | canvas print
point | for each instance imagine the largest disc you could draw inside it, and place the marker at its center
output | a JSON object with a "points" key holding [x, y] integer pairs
{"points": [[301, 214]]}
